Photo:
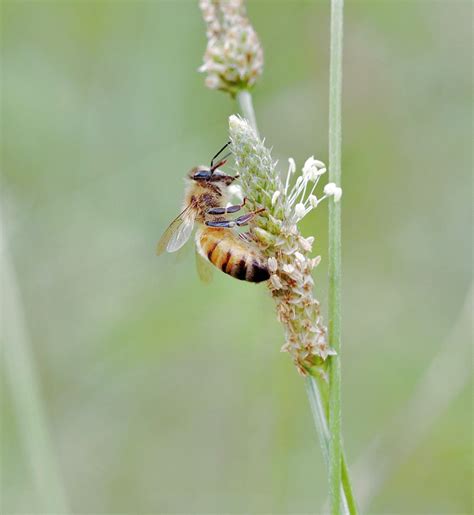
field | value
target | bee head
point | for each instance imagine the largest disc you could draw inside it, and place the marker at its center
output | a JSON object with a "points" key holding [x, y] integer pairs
{"points": [[200, 173], [204, 174]]}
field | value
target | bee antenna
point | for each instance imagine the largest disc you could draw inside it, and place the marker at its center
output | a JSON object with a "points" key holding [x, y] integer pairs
{"points": [[212, 167], [222, 162]]}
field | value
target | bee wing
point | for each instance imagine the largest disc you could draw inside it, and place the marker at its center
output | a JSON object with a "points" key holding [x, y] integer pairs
{"points": [[204, 268], [177, 233]]}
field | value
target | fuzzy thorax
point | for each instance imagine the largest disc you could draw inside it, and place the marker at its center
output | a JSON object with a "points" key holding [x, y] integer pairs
{"points": [[205, 189]]}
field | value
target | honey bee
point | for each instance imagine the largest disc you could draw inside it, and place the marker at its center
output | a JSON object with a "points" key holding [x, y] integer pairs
{"points": [[217, 242]]}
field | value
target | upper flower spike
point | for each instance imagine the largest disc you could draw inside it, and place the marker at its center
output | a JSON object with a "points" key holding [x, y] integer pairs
{"points": [[233, 59]]}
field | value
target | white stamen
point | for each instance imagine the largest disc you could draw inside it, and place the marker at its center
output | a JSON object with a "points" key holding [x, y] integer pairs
{"points": [[275, 196], [300, 210], [332, 190], [308, 165], [313, 200], [307, 243], [313, 168], [291, 169], [292, 166], [276, 283], [301, 183], [300, 257], [272, 265]]}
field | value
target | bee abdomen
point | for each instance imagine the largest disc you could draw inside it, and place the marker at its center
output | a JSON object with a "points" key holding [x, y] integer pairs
{"points": [[232, 258], [245, 266], [257, 272]]}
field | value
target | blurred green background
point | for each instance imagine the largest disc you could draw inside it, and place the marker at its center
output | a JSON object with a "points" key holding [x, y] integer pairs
{"points": [[164, 395]]}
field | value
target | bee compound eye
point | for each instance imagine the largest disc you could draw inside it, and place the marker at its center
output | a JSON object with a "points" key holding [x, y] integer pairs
{"points": [[202, 175]]}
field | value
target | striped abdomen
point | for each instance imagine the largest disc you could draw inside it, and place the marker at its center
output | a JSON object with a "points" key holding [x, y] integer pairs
{"points": [[229, 253]]}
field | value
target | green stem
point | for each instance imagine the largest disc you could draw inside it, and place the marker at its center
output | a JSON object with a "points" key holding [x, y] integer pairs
{"points": [[24, 386], [347, 486], [244, 97], [335, 94], [319, 415], [318, 409]]}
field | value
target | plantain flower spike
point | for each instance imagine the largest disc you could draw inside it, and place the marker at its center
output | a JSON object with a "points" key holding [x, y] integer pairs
{"points": [[288, 252], [233, 59]]}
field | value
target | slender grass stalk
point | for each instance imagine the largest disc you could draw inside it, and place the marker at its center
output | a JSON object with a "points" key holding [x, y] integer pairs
{"points": [[244, 97], [334, 326], [346, 487], [318, 410], [21, 376]]}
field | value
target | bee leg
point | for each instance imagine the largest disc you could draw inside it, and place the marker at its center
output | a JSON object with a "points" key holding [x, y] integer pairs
{"points": [[228, 224], [225, 210], [245, 219], [239, 222], [246, 236]]}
